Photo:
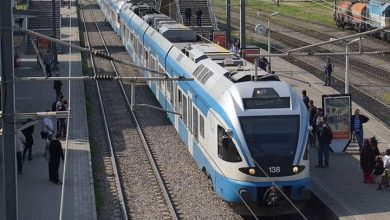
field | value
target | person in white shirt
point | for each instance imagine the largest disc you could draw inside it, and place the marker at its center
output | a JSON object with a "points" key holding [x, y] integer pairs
{"points": [[48, 127], [386, 165], [19, 144]]}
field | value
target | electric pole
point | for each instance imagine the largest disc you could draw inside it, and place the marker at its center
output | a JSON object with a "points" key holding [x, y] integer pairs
{"points": [[228, 23], [242, 25], [8, 108], [54, 45]]}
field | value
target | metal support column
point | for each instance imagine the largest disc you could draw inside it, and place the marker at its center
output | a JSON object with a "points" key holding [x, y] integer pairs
{"points": [[54, 45], [132, 97], [228, 23], [8, 108], [242, 25]]}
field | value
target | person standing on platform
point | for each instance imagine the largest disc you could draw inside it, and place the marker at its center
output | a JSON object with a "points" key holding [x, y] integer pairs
{"points": [[56, 153], [62, 121], [328, 72], [367, 161], [378, 171], [324, 138], [312, 122], [188, 14], [357, 121], [48, 128], [27, 132], [386, 165], [198, 14], [57, 88], [305, 99], [19, 143], [263, 63], [48, 60]]}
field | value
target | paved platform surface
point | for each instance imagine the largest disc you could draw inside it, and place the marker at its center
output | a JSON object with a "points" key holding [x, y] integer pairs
{"points": [[38, 197], [341, 186]]}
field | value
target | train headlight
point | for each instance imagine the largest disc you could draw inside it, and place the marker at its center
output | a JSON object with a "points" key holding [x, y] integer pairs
{"points": [[295, 169], [252, 171]]}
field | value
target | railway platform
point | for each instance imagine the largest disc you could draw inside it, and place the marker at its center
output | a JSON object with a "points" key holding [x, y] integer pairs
{"points": [[340, 187], [38, 198]]}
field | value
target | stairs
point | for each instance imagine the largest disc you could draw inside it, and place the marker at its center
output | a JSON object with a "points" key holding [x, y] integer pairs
{"points": [[207, 24], [43, 23]]}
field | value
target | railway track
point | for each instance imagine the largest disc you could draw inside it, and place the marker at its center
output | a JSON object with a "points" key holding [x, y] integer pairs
{"points": [[367, 78], [115, 105], [186, 186]]}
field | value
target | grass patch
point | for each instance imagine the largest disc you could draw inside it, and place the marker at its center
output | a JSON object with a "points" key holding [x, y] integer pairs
{"points": [[318, 13], [386, 98]]}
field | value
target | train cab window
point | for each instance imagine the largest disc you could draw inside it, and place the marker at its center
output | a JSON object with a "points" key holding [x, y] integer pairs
{"points": [[201, 125], [226, 149], [195, 123], [118, 18], [185, 110]]}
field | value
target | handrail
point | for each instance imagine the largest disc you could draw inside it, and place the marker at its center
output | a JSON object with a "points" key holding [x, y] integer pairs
{"points": [[212, 15], [178, 12]]}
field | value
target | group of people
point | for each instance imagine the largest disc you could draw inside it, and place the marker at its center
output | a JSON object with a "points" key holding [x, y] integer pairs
{"points": [[371, 162], [198, 13], [53, 149]]}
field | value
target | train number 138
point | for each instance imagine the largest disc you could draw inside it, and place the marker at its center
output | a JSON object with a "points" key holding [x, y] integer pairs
{"points": [[274, 169]]}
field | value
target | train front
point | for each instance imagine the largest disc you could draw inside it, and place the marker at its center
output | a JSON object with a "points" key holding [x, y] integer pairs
{"points": [[272, 129]]}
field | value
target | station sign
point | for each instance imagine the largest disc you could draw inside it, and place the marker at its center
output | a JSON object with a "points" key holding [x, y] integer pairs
{"points": [[219, 37], [246, 51], [337, 108]]}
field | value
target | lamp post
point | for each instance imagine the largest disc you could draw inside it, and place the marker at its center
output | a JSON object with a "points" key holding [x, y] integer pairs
{"points": [[346, 86], [268, 16]]}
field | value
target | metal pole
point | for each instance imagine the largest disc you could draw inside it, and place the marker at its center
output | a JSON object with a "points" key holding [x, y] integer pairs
{"points": [[242, 25], [228, 22], [346, 86], [132, 97], [256, 66], [8, 108], [54, 45], [269, 46]]}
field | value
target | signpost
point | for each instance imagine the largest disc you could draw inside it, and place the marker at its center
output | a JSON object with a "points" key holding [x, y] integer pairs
{"points": [[219, 37], [246, 51], [337, 108]]}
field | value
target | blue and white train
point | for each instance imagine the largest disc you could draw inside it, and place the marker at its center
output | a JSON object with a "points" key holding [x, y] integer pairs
{"points": [[245, 134]]}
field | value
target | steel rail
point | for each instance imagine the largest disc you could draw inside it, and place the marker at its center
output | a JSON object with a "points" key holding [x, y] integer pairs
{"points": [[157, 173], [112, 154]]}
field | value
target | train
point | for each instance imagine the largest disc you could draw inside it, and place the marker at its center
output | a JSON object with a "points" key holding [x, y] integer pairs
{"points": [[363, 16], [246, 129]]}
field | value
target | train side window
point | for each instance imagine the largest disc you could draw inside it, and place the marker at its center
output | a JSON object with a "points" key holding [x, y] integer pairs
{"points": [[226, 149], [195, 123], [185, 110], [201, 125], [147, 58]]}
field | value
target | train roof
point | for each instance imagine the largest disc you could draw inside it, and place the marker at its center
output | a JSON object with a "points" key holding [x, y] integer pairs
{"points": [[176, 32]]}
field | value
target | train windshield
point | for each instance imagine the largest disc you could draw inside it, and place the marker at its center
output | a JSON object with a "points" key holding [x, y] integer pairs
{"points": [[272, 140]]}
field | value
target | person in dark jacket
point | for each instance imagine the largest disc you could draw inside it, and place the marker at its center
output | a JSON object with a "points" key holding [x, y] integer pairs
{"points": [[325, 137], [198, 14], [357, 121], [378, 171], [56, 153], [367, 161], [328, 69], [57, 88], [188, 14], [305, 99], [312, 121], [27, 132]]}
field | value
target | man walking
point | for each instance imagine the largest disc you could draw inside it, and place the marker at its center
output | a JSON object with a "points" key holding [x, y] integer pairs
{"points": [[56, 153], [188, 14], [57, 88], [357, 121], [48, 60], [198, 14], [305, 99], [325, 137], [19, 141], [27, 132]]}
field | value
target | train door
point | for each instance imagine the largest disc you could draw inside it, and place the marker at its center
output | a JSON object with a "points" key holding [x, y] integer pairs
{"points": [[190, 120]]}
